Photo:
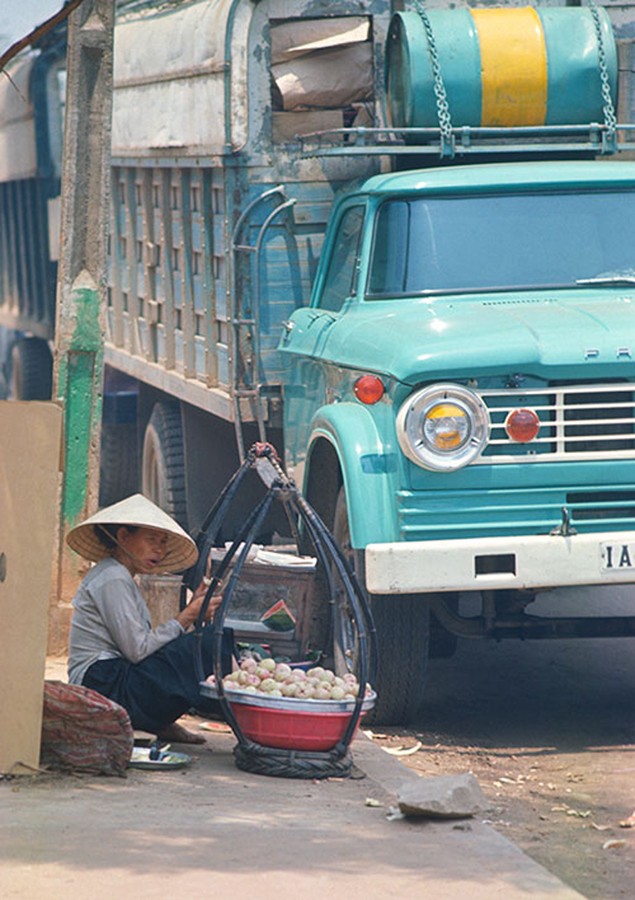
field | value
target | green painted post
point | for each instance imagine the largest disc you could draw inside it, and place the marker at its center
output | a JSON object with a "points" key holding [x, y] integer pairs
{"points": [[81, 287]]}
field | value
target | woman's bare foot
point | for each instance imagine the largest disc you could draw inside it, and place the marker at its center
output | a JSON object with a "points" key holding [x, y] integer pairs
{"points": [[176, 734]]}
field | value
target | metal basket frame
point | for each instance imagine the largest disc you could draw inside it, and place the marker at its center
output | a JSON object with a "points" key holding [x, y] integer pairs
{"points": [[250, 755]]}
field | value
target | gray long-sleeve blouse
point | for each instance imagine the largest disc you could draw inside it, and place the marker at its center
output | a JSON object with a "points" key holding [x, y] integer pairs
{"points": [[111, 619]]}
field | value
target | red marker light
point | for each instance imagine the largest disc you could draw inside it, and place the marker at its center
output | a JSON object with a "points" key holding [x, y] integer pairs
{"points": [[522, 425], [369, 389]]}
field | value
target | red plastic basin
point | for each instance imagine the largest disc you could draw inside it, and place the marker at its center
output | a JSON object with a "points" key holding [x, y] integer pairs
{"points": [[291, 730], [290, 724]]}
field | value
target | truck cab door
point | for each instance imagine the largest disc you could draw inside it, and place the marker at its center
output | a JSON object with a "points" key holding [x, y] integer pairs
{"points": [[339, 278], [336, 285], [307, 337]]}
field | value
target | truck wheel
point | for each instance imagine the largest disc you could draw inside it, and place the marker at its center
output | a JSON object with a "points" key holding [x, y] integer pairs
{"points": [[163, 462], [118, 464], [402, 624], [443, 644], [31, 370]]}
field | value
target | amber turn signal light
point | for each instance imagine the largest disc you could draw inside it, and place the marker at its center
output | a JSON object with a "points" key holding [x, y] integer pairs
{"points": [[522, 425], [369, 389]]}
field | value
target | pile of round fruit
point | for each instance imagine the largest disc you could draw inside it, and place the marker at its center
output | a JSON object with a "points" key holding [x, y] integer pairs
{"points": [[282, 680]]}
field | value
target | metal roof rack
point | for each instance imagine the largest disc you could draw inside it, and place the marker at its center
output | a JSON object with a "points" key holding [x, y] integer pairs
{"points": [[593, 138]]}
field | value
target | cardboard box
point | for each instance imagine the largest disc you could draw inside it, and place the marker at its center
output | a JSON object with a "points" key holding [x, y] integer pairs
{"points": [[30, 444]]}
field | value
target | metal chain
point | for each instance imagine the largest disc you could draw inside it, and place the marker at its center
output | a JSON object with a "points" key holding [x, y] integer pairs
{"points": [[443, 109], [609, 110]]}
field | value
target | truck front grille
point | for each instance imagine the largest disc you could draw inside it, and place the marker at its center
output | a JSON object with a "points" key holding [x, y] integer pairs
{"points": [[587, 422], [489, 512]]}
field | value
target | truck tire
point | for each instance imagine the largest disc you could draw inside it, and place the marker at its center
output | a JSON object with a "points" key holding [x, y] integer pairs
{"points": [[31, 370], [443, 644], [163, 462], [402, 624], [119, 463]]}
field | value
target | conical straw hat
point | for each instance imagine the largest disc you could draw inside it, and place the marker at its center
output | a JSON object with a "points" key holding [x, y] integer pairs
{"points": [[135, 510]]}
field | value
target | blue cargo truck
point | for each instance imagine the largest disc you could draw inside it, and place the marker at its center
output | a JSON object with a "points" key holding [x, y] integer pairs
{"points": [[394, 240], [31, 135]]}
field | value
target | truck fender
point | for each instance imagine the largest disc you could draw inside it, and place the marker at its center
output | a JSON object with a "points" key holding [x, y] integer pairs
{"points": [[368, 467]]}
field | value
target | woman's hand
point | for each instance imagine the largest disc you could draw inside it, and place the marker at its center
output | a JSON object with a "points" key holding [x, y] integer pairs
{"points": [[189, 615]]}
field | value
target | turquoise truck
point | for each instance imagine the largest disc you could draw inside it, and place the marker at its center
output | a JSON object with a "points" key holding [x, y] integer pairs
{"points": [[396, 241]]}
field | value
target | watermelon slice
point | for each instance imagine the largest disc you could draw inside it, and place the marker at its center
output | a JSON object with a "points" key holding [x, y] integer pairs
{"points": [[278, 617]]}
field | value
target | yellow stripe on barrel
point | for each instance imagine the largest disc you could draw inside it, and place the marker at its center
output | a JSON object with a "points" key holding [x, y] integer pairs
{"points": [[513, 66]]}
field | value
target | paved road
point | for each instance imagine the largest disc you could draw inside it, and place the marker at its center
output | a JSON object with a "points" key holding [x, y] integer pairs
{"points": [[213, 831]]}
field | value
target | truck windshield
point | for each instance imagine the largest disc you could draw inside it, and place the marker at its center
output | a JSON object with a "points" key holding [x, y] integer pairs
{"points": [[517, 241]]}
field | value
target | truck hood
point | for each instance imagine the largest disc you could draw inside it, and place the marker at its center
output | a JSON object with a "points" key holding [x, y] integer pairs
{"points": [[413, 340]]}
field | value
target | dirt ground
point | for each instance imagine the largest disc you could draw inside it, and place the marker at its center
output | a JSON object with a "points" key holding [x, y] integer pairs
{"points": [[560, 808], [548, 729]]}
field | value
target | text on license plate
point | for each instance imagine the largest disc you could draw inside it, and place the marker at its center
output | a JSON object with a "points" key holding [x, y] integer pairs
{"points": [[617, 556]]}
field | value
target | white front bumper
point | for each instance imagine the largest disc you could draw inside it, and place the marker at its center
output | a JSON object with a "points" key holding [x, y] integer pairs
{"points": [[540, 561]]}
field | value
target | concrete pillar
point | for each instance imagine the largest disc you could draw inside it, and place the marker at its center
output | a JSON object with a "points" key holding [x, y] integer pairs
{"points": [[81, 287]]}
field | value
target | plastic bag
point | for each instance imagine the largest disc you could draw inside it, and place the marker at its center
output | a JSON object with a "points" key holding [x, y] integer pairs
{"points": [[82, 731]]}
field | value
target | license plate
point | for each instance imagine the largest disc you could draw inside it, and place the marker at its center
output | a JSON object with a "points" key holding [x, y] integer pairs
{"points": [[617, 556]]}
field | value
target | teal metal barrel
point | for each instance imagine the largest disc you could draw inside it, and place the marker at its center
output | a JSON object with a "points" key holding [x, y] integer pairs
{"points": [[501, 67]]}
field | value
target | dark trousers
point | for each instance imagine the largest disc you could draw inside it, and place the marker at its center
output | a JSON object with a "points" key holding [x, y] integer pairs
{"points": [[159, 689]]}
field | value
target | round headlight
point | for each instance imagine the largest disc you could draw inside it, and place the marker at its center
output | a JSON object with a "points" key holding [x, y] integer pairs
{"points": [[444, 427]]}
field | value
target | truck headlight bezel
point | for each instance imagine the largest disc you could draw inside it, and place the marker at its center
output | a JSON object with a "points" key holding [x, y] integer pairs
{"points": [[443, 427]]}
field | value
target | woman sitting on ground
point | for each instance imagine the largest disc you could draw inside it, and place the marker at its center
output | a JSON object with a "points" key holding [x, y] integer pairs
{"points": [[114, 650]]}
